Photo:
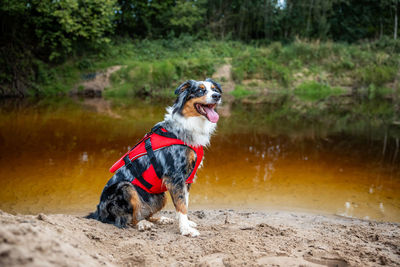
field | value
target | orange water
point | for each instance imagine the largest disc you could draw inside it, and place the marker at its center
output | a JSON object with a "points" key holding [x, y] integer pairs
{"points": [[54, 158]]}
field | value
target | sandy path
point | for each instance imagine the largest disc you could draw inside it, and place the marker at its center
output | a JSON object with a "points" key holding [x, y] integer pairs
{"points": [[96, 85], [223, 75], [228, 238]]}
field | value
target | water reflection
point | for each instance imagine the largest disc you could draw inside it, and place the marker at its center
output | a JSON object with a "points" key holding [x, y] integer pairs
{"points": [[263, 157]]}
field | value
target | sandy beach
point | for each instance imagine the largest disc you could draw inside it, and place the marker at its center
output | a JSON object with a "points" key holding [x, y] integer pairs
{"points": [[228, 238]]}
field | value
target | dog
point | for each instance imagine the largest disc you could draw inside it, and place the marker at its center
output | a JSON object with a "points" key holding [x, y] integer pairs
{"points": [[189, 122]]}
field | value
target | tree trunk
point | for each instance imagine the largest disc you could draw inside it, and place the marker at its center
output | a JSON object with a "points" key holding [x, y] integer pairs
{"points": [[381, 21], [287, 25], [266, 20], [395, 20], [309, 18]]}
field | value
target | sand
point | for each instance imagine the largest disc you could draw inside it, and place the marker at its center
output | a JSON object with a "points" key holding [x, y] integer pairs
{"points": [[228, 238], [96, 85]]}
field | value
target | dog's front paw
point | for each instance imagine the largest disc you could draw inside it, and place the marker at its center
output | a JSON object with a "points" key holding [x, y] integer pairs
{"points": [[165, 220], [192, 223], [144, 225], [189, 231]]}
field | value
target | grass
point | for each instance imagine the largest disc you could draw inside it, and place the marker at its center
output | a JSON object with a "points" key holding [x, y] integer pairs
{"points": [[241, 92], [155, 68], [376, 75], [340, 65], [313, 91], [158, 77], [169, 62]]}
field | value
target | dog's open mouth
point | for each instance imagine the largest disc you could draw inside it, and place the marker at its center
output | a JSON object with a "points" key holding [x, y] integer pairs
{"points": [[207, 111]]}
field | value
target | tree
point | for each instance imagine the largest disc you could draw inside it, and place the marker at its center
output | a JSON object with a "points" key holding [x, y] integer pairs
{"points": [[61, 24], [395, 4], [186, 15], [49, 31]]}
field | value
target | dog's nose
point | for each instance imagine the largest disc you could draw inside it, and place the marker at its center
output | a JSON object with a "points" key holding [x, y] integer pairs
{"points": [[216, 96]]}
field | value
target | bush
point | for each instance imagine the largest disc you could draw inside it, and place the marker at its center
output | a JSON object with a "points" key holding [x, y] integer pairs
{"points": [[150, 78], [378, 92], [163, 74], [196, 68], [241, 92], [344, 64], [158, 65], [276, 48], [306, 52], [238, 73], [59, 24], [256, 64], [386, 43], [274, 71], [377, 75], [316, 91], [140, 76]]}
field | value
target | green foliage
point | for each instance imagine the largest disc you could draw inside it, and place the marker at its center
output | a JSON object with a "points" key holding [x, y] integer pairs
{"points": [[377, 74], [375, 92], [241, 92], [60, 24], [316, 91], [156, 67], [345, 64], [36, 32], [58, 80], [261, 20], [131, 80], [275, 71], [163, 74], [254, 63], [187, 14], [386, 44], [155, 77]]}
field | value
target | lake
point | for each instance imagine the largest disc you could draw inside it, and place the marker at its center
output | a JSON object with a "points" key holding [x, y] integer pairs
{"points": [[336, 156]]}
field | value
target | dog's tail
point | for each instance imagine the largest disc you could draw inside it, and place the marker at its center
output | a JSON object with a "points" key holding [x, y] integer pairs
{"points": [[93, 215]]}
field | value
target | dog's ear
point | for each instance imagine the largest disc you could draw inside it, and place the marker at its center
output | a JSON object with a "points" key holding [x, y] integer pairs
{"points": [[217, 85], [184, 86]]}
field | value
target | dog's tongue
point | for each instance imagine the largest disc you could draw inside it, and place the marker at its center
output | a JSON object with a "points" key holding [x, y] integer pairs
{"points": [[211, 114]]}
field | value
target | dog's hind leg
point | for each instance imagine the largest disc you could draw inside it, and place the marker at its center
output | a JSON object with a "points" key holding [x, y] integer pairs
{"points": [[135, 203], [120, 205], [161, 220], [157, 203], [150, 204]]}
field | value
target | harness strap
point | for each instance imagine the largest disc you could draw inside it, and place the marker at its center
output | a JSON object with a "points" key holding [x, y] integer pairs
{"points": [[152, 157], [132, 167], [157, 130]]}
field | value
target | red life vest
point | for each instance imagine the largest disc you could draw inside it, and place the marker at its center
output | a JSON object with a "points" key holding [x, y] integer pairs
{"points": [[150, 179]]}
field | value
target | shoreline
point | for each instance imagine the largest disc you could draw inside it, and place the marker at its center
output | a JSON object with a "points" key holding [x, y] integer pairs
{"points": [[227, 238], [195, 207]]}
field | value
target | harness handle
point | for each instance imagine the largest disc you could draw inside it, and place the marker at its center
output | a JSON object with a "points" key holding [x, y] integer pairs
{"points": [[157, 129]]}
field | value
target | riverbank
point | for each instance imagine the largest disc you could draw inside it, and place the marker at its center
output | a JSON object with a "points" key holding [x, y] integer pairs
{"points": [[152, 69], [228, 238]]}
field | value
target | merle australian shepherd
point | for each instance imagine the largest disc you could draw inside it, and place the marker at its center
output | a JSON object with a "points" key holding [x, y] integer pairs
{"points": [[191, 119]]}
